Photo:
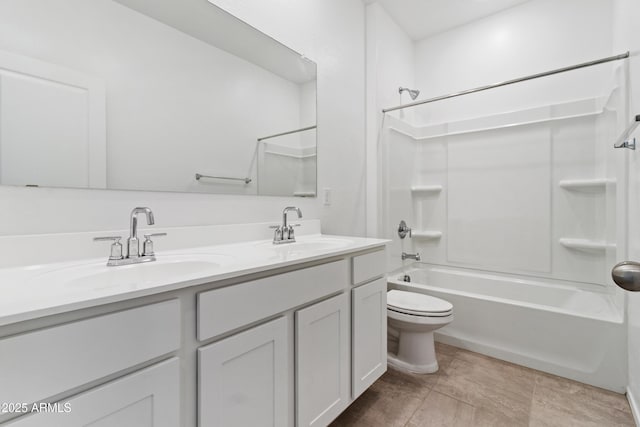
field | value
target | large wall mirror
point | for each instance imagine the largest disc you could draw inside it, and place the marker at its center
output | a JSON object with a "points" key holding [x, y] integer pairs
{"points": [[159, 95]]}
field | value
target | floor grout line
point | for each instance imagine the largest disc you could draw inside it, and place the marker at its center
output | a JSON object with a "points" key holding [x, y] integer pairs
{"points": [[418, 407], [455, 398]]}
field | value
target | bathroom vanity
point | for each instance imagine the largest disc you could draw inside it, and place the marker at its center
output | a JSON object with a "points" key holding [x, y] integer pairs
{"points": [[235, 334]]}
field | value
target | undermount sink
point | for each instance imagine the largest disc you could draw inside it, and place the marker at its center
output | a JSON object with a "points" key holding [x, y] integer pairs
{"points": [[97, 275]]}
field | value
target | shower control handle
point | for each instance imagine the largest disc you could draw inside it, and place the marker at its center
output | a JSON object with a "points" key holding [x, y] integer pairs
{"points": [[627, 275], [403, 230]]}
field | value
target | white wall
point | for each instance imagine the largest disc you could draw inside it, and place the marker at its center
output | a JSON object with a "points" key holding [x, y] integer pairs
{"points": [[389, 66], [533, 37], [626, 16], [330, 32]]}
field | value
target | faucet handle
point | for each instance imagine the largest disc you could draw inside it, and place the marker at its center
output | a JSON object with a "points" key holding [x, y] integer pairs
{"points": [[107, 239], [149, 236], [147, 247], [116, 247], [278, 233], [403, 230], [292, 234]]}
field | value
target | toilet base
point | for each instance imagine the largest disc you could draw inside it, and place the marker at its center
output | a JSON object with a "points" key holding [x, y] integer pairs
{"points": [[402, 366], [416, 353]]}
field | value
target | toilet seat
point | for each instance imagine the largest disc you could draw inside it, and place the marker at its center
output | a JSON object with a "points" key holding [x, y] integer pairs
{"points": [[415, 304]]}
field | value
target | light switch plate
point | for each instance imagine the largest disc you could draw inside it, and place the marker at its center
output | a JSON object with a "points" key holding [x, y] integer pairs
{"points": [[326, 197]]}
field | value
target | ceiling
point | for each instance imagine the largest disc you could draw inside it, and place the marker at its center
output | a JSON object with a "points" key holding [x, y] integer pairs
{"points": [[423, 18]]}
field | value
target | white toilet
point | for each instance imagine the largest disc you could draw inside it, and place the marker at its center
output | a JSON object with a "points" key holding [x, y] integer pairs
{"points": [[414, 317]]}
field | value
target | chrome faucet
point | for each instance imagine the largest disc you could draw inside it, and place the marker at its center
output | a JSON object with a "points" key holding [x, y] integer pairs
{"points": [[415, 256], [285, 233], [133, 255], [133, 244]]}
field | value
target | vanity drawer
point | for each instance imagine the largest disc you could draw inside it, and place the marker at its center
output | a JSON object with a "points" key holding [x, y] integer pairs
{"points": [[150, 397], [41, 364], [368, 266], [222, 310]]}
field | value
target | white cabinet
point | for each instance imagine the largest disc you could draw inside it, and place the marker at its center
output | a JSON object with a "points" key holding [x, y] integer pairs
{"points": [[48, 362], [225, 309], [148, 398], [369, 334], [322, 361], [368, 266], [311, 357], [244, 379]]}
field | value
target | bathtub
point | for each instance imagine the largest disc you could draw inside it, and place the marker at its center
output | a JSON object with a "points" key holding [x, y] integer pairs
{"points": [[553, 327]]}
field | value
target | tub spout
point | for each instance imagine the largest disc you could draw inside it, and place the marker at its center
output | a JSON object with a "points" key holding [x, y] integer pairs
{"points": [[415, 256]]}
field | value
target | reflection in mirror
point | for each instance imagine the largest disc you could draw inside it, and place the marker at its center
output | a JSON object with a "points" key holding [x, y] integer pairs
{"points": [[152, 95]]}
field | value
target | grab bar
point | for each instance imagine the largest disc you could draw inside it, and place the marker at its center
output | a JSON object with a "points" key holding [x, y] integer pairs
{"points": [[199, 176], [623, 142]]}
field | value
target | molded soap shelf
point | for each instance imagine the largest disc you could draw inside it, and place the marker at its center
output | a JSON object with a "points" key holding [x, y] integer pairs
{"points": [[598, 184], [586, 244]]}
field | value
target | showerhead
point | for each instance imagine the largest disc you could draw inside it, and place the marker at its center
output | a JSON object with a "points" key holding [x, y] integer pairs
{"points": [[413, 93]]}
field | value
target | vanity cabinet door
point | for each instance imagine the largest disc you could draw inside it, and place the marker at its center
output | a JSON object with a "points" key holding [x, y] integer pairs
{"points": [[369, 334], [322, 361], [244, 379], [148, 398]]}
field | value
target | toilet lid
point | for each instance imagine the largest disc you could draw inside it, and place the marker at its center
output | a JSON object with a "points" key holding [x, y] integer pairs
{"points": [[415, 303]]}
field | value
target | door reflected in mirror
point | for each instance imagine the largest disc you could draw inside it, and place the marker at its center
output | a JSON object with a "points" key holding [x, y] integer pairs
{"points": [[152, 95]]}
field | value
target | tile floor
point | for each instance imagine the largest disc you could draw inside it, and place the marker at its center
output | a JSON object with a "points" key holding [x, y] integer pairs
{"points": [[475, 390]]}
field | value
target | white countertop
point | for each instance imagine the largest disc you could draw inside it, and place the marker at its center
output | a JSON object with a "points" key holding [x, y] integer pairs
{"points": [[33, 291]]}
